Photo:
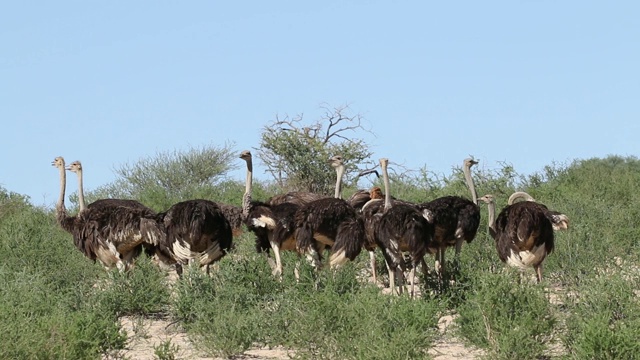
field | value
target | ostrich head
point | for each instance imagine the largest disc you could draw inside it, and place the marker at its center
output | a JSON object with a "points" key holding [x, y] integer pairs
{"points": [[469, 162], [336, 161], [75, 167], [488, 199], [376, 193], [58, 162], [245, 155]]}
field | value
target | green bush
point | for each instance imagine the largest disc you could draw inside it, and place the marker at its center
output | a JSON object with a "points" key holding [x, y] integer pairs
{"points": [[512, 320], [605, 316]]}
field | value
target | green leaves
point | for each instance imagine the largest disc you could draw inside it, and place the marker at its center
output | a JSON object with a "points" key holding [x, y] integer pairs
{"points": [[296, 154]]}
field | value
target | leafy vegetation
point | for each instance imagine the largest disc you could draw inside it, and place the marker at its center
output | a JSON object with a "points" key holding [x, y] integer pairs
{"points": [[296, 154], [54, 303]]}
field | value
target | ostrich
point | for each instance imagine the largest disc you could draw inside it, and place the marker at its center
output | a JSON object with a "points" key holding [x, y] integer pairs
{"points": [[559, 220], [295, 197], [523, 233], [271, 223], [361, 197], [235, 217], [456, 219], [369, 204], [194, 231], [402, 227], [109, 230], [324, 222]]}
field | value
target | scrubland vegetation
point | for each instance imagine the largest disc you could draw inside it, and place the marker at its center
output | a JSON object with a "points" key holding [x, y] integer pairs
{"points": [[54, 303]]}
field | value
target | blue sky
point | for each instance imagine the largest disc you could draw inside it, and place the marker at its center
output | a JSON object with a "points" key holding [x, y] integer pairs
{"points": [[108, 83]]}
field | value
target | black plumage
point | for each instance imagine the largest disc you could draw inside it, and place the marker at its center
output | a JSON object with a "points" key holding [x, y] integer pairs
{"points": [[195, 231], [329, 222], [523, 233], [234, 216], [402, 228], [294, 197], [272, 223], [112, 231], [455, 218]]}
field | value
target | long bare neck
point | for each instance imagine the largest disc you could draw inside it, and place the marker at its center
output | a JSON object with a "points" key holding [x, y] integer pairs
{"points": [[83, 205], [60, 209], [519, 195], [246, 199], [339, 175], [492, 214], [491, 205], [469, 179], [385, 177]]}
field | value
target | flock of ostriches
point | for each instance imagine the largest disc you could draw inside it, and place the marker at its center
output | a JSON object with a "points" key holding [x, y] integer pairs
{"points": [[115, 231]]}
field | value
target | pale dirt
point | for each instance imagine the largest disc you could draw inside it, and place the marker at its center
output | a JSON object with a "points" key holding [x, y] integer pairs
{"points": [[145, 335]]}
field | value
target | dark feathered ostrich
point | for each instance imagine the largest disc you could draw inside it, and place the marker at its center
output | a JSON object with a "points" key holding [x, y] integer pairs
{"points": [[402, 228], [370, 212], [329, 221], [523, 233], [559, 220], [235, 217], [195, 231], [111, 231], [361, 197], [294, 197], [273, 225], [456, 219]]}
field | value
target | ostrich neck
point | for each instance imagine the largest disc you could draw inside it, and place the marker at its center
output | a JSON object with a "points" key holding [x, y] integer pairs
{"points": [[339, 175], [519, 195], [246, 199], [387, 194], [492, 215], [60, 204], [470, 184], [81, 202]]}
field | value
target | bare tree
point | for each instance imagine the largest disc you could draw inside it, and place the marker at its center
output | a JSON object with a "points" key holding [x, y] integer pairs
{"points": [[296, 153]]}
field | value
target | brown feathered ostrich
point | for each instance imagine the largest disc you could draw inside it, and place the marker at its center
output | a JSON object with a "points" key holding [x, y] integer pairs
{"points": [[559, 220], [370, 212], [272, 224], [111, 231], [523, 233], [323, 222], [455, 218], [402, 228]]}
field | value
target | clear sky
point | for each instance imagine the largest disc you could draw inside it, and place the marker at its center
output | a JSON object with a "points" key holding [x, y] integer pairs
{"points": [[110, 82]]}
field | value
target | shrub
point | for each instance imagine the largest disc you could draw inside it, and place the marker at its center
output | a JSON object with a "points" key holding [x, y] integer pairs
{"points": [[512, 320]]}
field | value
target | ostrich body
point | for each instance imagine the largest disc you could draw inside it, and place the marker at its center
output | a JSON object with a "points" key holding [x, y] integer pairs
{"points": [[195, 231], [456, 219], [371, 212], [559, 220], [329, 222], [523, 233], [402, 228], [235, 217], [272, 223], [111, 231], [295, 197], [361, 197]]}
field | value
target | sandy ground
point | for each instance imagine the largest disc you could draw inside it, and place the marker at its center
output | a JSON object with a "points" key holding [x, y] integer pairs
{"points": [[146, 335]]}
